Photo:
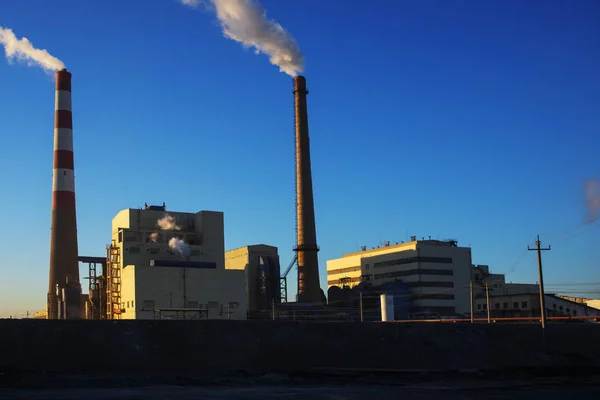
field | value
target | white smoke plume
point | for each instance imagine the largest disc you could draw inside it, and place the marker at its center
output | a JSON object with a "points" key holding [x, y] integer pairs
{"points": [[179, 246], [23, 50], [592, 196], [168, 223], [154, 237], [246, 21]]}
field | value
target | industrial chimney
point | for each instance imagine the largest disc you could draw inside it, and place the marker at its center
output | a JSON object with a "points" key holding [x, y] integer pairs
{"points": [[309, 289], [64, 289]]}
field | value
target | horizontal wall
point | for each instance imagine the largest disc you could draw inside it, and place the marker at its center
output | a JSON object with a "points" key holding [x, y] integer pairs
{"points": [[213, 348]]}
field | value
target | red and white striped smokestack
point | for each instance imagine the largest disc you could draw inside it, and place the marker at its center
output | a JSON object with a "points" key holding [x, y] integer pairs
{"points": [[64, 289]]}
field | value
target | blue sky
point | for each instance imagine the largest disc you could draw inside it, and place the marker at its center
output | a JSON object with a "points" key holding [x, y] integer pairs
{"points": [[456, 119]]}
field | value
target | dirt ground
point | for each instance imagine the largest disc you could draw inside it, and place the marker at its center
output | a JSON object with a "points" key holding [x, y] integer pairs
{"points": [[316, 393], [370, 389]]}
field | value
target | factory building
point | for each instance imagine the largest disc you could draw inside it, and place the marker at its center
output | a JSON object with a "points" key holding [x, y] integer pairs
{"points": [[528, 305], [437, 273], [261, 267], [497, 284], [171, 264]]}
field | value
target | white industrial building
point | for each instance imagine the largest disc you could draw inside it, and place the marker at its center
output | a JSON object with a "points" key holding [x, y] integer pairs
{"points": [[172, 268], [437, 273]]}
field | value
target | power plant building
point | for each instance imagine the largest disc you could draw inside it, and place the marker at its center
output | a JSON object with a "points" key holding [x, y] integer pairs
{"points": [[261, 267], [437, 273], [171, 262]]}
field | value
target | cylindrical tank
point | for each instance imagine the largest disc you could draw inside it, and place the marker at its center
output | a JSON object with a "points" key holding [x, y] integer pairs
{"points": [[387, 308]]}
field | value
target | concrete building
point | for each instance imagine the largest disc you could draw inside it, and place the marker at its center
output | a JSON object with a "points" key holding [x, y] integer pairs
{"points": [[497, 283], [171, 260], [437, 273], [262, 270], [528, 305]]}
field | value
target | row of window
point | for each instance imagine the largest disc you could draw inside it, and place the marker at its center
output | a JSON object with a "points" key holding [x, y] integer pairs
{"points": [[524, 304], [156, 237], [156, 250], [149, 304], [411, 272], [410, 260]]}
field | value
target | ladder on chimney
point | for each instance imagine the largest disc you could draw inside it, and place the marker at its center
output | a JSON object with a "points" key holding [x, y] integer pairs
{"points": [[113, 287]]}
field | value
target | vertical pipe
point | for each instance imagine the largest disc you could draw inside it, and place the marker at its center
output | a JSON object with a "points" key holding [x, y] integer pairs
{"points": [[471, 296], [309, 290], [64, 267], [487, 301], [361, 306]]}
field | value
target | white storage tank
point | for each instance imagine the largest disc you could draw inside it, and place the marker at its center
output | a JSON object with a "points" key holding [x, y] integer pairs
{"points": [[387, 308]]}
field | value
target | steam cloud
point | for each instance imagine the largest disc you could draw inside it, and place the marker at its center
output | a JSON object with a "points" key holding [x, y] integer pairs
{"points": [[246, 21], [154, 237], [168, 223], [23, 50], [179, 246], [592, 196]]}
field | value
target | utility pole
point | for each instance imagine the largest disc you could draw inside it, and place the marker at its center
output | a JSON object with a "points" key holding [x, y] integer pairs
{"points": [[539, 249], [487, 302], [471, 293]]}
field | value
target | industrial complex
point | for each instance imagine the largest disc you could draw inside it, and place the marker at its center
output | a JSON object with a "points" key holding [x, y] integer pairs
{"points": [[167, 264], [170, 264]]}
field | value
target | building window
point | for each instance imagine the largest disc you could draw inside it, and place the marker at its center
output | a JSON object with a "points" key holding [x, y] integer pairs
{"points": [[233, 304], [192, 304], [134, 250], [121, 237], [148, 305], [497, 305], [213, 304], [127, 304], [192, 239], [132, 306], [505, 305], [568, 310], [515, 304], [479, 306], [560, 308], [524, 304], [485, 306]]}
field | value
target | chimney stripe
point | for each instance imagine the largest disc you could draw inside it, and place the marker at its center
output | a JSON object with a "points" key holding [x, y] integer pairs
{"points": [[63, 159], [63, 139], [63, 200], [63, 81], [63, 180], [63, 100], [63, 119]]}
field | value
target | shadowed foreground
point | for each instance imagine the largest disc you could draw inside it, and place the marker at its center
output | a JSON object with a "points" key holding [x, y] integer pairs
{"points": [[252, 359]]}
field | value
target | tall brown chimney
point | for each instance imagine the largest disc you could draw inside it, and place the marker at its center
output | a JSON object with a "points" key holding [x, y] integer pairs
{"points": [[309, 289], [64, 289]]}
